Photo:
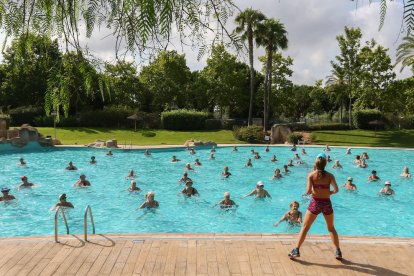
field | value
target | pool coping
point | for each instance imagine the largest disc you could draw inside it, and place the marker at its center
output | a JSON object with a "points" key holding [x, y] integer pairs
{"points": [[139, 147], [138, 237]]}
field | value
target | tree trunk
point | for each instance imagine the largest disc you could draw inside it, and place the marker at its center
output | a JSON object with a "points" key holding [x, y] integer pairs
{"points": [[350, 111], [267, 88], [252, 78], [269, 91]]}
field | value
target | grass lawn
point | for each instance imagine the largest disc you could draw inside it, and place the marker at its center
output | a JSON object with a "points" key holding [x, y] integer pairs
{"points": [[83, 135], [397, 138]]}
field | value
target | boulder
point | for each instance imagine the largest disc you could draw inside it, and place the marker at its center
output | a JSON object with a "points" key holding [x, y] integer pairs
{"points": [[279, 134]]}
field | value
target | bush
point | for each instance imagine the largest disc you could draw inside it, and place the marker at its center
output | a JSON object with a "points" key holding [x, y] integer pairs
{"points": [[213, 124], [25, 115], [294, 138], [231, 124], [362, 119], [300, 126], [333, 126], [146, 133], [407, 122], [250, 134], [104, 118], [184, 119], [68, 122]]}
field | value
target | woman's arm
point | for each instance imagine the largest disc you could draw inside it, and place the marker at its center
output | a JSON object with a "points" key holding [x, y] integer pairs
{"points": [[300, 217], [309, 185], [251, 193], [143, 205], [280, 220], [335, 186]]}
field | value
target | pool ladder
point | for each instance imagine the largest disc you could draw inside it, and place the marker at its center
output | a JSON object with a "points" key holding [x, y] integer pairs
{"points": [[85, 222]]}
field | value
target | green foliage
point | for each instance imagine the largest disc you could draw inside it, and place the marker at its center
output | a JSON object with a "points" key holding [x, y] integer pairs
{"points": [[104, 118], [250, 134], [25, 115], [213, 124], [294, 138], [328, 126], [147, 133], [184, 119], [364, 119]]}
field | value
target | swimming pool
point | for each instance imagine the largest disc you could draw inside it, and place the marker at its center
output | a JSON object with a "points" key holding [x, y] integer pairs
{"points": [[356, 213]]}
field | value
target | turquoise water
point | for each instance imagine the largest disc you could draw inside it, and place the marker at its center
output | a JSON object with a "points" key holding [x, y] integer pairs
{"points": [[356, 213]]}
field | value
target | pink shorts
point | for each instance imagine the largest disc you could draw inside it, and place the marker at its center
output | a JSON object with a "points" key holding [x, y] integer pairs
{"points": [[320, 205]]}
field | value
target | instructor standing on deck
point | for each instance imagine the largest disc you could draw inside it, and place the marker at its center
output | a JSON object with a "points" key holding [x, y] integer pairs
{"points": [[319, 184]]}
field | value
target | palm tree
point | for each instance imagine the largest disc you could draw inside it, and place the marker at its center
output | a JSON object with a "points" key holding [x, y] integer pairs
{"points": [[247, 22], [405, 52], [271, 34], [337, 85]]}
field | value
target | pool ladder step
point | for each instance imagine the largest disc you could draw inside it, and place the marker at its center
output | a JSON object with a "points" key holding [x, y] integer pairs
{"points": [[88, 209]]}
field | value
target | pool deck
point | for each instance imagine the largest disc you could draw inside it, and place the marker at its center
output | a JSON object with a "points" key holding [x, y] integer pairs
{"points": [[202, 254]]}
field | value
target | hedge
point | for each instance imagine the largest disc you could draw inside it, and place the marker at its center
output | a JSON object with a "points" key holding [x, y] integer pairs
{"points": [[25, 115], [184, 119], [250, 134], [213, 124], [363, 119], [332, 126]]}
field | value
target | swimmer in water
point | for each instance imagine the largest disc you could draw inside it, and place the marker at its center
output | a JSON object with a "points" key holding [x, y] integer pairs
{"points": [[252, 151], [249, 162], [304, 151], [147, 153], [63, 203], [131, 174], [92, 161], [293, 216], [373, 176], [277, 174], [189, 190], [192, 151], [212, 157], [185, 178], [22, 162], [6, 196], [188, 167], [297, 157], [387, 189], [174, 159], [365, 156], [226, 202], [290, 164], [197, 162], [328, 158], [259, 192], [25, 183], [134, 187], [109, 153], [406, 173], [256, 155], [357, 160], [82, 182], [337, 165], [267, 149], [327, 148], [348, 151], [274, 159], [71, 167], [285, 169], [363, 164], [235, 148], [293, 148], [349, 185], [226, 172], [149, 202], [213, 149]]}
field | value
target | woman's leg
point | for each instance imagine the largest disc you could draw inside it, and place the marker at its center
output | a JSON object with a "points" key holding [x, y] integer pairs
{"points": [[329, 219], [307, 223]]}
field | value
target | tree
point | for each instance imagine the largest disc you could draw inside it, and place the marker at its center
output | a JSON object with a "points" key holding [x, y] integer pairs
{"points": [[166, 79], [375, 78], [348, 64], [271, 34], [126, 89], [405, 53], [228, 82], [280, 74], [141, 25], [248, 21], [27, 69], [337, 88]]}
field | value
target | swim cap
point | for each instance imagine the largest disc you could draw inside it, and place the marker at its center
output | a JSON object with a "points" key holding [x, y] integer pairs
{"points": [[5, 190], [321, 155], [62, 196], [387, 183], [350, 179], [24, 177], [260, 184]]}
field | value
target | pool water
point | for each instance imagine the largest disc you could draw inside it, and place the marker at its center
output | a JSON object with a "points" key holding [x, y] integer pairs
{"points": [[363, 212]]}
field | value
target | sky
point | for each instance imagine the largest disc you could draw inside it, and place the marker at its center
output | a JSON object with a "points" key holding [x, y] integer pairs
{"points": [[312, 27]]}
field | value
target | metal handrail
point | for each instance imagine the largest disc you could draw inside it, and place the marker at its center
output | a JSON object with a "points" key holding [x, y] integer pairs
{"points": [[85, 222], [56, 222]]}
